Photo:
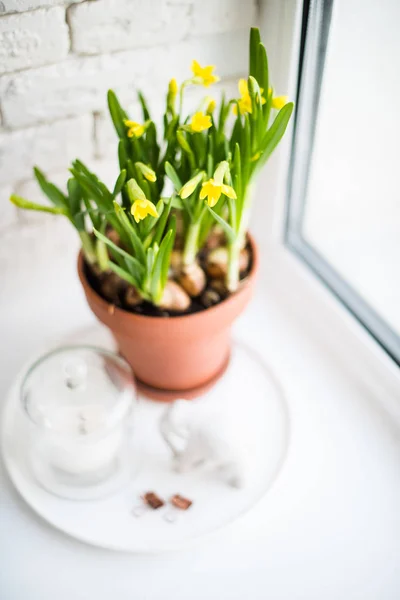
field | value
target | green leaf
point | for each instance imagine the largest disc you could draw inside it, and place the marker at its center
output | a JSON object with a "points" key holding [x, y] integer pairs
{"points": [[255, 40], [153, 149], [173, 176], [237, 172], [145, 110], [117, 114], [262, 74], [237, 129], [128, 257], [223, 115], [27, 205], [130, 230], [150, 221], [160, 269], [74, 195], [184, 144], [150, 258], [246, 149], [49, 189], [91, 183], [124, 274], [119, 184], [256, 116], [74, 201], [229, 232], [162, 221], [276, 131], [93, 213], [167, 253], [176, 202], [122, 155]]}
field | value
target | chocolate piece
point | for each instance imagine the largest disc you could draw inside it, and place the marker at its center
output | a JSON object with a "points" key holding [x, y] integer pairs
{"points": [[180, 502], [152, 500]]}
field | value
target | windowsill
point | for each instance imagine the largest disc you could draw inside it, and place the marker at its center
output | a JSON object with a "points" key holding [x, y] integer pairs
{"points": [[329, 527]]}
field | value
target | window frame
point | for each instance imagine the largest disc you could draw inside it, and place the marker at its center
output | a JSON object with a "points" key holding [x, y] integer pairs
{"points": [[316, 19], [287, 274]]}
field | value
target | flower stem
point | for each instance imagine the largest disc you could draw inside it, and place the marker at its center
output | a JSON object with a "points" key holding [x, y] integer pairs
{"points": [[184, 84], [88, 247], [191, 243], [102, 255], [232, 276]]}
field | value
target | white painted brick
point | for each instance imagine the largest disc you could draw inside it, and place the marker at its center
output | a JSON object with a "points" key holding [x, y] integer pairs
{"points": [[214, 16], [8, 212], [80, 85], [48, 146], [33, 39], [109, 25], [106, 170], [13, 6]]}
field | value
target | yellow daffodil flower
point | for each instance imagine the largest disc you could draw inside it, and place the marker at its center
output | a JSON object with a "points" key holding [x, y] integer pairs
{"points": [[134, 129], [279, 102], [245, 99], [141, 208], [204, 75], [200, 122], [213, 190]]}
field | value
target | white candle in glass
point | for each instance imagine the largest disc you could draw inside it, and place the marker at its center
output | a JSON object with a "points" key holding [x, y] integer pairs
{"points": [[75, 444]]}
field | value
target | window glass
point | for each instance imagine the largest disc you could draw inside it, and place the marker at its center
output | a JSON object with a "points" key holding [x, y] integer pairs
{"points": [[344, 216]]}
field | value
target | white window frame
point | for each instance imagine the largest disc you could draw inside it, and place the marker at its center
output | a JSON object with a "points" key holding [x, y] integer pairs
{"points": [[348, 341]]}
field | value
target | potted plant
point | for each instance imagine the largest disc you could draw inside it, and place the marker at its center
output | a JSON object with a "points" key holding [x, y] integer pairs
{"points": [[166, 262]]}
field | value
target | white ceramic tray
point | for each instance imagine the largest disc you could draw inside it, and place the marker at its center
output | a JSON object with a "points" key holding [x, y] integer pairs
{"points": [[248, 393]]}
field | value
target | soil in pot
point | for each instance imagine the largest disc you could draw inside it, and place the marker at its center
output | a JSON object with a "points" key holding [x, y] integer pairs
{"points": [[119, 293]]}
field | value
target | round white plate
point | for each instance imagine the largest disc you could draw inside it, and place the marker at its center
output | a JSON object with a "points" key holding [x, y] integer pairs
{"points": [[249, 398]]}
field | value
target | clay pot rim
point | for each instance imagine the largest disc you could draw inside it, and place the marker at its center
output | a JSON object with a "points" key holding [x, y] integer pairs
{"points": [[126, 314]]}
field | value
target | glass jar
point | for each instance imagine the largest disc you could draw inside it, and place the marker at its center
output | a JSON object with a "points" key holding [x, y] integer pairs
{"points": [[79, 405]]}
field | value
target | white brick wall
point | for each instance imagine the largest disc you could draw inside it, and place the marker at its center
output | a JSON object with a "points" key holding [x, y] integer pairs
{"points": [[80, 84], [50, 146], [58, 58], [108, 25], [13, 6], [33, 39]]}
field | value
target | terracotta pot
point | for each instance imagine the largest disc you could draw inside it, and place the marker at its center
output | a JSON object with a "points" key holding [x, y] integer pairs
{"points": [[178, 356]]}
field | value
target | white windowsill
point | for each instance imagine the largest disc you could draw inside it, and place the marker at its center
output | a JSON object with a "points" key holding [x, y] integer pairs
{"points": [[329, 528]]}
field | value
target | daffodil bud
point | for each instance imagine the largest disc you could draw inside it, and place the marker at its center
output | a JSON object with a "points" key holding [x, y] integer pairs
{"points": [[173, 87], [147, 173], [190, 186], [211, 106], [171, 96], [134, 191], [221, 171]]}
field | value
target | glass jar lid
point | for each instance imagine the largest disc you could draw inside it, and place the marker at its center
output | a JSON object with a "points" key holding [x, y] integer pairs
{"points": [[78, 390]]}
